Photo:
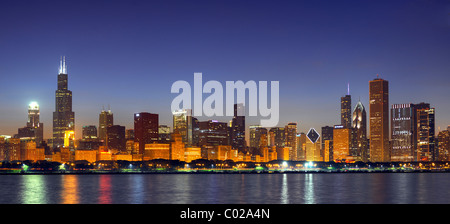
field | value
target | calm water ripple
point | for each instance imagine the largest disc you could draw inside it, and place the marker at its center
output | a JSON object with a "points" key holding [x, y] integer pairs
{"points": [[354, 188]]}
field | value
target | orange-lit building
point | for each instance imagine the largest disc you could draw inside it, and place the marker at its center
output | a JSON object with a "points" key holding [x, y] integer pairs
{"points": [[157, 151], [192, 153], [341, 142], [88, 155], [379, 120], [177, 147]]}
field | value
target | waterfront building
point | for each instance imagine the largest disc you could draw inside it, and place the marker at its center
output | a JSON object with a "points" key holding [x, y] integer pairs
{"points": [[88, 155], [105, 120], [157, 151], [327, 134], [238, 128], [192, 153], [379, 120], [212, 132], [291, 140], [182, 123], [164, 134], [403, 133], [346, 111], [341, 142], [63, 117], [277, 136], [145, 129], [115, 138], [444, 145], [426, 133], [177, 147], [359, 133], [34, 129]]}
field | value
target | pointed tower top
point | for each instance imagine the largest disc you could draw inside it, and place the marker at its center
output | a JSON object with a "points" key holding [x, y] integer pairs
{"points": [[348, 88]]}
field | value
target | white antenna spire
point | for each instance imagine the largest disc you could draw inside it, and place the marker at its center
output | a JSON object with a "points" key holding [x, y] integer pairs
{"points": [[348, 88], [62, 65]]}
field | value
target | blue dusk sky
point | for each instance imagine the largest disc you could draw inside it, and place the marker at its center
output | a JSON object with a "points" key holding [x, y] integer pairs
{"points": [[127, 54]]}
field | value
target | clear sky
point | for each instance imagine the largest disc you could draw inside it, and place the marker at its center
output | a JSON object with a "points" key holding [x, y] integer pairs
{"points": [[127, 54]]}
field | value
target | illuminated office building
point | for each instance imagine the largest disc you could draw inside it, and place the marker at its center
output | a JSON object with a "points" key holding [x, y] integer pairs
{"points": [[444, 145], [403, 133], [157, 151], [359, 133], [34, 129], [425, 133], [291, 140], [327, 135], [63, 117], [312, 146], [177, 147], [341, 142], [89, 132], [164, 135], [69, 137], [115, 138], [277, 137], [212, 132], [146, 127], [379, 120], [105, 120], [182, 123], [258, 138]]}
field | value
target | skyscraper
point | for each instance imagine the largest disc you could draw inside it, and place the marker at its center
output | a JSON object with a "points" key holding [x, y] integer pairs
{"points": [[291, 140], [256, 138], [341, 142], [403, 132], [425, 133], [238, 128], [359, 138], [212, 132], [34, 128], [379, 120], [444, 145], [115, 138], [63, 117], [146, 127], [182, 123], [89, 132], [327, 135], [105, 120], [346, 111]]}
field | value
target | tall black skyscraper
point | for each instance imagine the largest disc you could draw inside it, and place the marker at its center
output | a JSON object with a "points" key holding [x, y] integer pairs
{"points": [[63, 117], [238, 128], [346, 110]]}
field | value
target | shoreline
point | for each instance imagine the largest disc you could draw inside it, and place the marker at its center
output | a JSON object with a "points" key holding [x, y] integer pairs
{"points": [[217, 172]]}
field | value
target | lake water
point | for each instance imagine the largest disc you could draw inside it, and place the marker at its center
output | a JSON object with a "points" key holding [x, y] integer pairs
{"points": [[293, 188]]}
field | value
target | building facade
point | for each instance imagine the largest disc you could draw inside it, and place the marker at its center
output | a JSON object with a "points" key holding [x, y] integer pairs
{"points": [[63, 117], [379, 120]]}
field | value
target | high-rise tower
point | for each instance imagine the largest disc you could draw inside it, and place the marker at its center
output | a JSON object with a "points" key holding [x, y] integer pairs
{"points": [[425, 133], [238, 128], [359, 138], [105, 120], [346, 110], [379, 120], [63, 117]]}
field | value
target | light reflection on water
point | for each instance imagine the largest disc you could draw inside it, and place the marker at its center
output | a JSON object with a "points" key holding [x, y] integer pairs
{"points": [[69, 194], [308, 188]]}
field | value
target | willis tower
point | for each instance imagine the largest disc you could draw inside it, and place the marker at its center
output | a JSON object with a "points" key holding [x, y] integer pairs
{"points": [[63, 117]]}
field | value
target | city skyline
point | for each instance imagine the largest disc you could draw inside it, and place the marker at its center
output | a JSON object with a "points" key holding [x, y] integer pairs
{"points": [[410, 53]]}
